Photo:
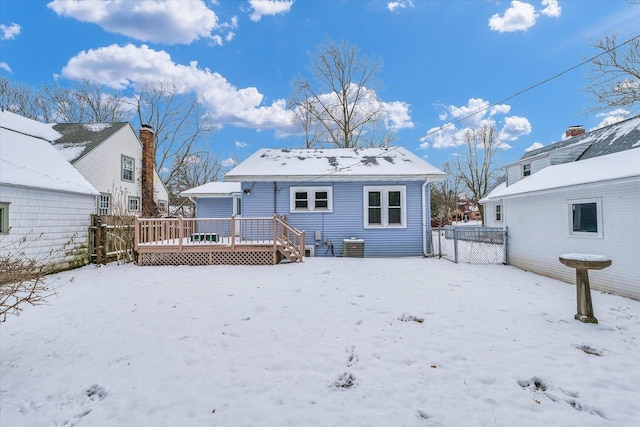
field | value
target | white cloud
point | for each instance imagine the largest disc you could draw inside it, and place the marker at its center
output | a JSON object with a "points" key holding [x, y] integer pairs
{"points": [[170, 21], [122, 67], [521, 16], [268, 7], [534, 146], [240, 144], [514, 127], [398, 116], [5, 66], [399, 4], [9, 31], [476, 114], [551, 9], [611, 117], [228, 163]]}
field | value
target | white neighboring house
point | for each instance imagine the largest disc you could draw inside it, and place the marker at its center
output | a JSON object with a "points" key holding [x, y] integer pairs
{"points": [[45, 203], [110, 157], [581, 195]]}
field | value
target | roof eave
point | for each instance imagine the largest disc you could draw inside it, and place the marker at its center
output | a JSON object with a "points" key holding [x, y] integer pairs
{"points": [[329, 177]]}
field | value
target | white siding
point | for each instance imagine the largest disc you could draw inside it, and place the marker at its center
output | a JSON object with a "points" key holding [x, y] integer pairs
{"points": [[102, 168], [514, 171], [539, 233], [48, 220], [490, 214]]}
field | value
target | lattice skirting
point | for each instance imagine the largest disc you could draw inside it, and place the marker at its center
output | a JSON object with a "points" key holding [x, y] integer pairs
{"points": [[207, 258]]}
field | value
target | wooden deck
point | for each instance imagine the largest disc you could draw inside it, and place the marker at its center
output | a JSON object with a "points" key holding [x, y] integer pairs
{"points": [[206, 241]]}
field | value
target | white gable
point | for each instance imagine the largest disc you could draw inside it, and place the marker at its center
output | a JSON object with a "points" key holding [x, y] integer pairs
{"points": [[334, 164], [623, 164], [28, 159]]}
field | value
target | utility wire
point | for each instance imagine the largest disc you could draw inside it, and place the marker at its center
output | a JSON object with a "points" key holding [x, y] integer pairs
{"points": [[529, 88], [435, 130]]}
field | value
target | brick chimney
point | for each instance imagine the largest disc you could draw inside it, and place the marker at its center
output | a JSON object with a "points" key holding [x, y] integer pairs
{"points": [[574, 131], [148, 137]]}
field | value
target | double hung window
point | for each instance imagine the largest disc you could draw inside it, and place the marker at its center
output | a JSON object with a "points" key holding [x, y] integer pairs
{"points": [[384, 206], [128, 169]]}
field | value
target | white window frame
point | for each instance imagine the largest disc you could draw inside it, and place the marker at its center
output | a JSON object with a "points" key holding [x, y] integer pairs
{"points": [[163, 206], [499, 212], [384, 200], [598, 234], [123, 168], [526, 170], [311, 200], [137, 207], [99, 206], [4, 218]]}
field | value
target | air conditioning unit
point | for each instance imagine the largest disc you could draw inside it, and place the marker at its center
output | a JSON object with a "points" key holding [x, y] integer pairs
{"points": [[353, 248]]}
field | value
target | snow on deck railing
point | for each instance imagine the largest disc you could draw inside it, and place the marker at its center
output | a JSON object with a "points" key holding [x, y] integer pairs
{"points": [[217, 231]]}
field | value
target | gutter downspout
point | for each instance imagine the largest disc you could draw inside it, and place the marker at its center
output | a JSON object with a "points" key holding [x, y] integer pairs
{"points": [[424, 219]]}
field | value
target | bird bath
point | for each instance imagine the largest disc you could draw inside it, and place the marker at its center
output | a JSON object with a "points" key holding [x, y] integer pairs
{"points": [[583, 263]]}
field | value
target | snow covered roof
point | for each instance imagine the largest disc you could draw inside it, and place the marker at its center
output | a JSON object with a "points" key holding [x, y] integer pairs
{"points": [[214, 189], [607, 140], [335, 164], [77, 139], [28, 159], [624, 164], [498, 188]]}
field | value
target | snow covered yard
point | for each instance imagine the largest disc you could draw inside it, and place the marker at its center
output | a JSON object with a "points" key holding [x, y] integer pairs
{"points": [[354, 342]]}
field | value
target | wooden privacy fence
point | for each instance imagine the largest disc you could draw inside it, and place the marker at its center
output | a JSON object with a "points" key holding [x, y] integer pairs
{"points": [[232, 240], [111, 238]]}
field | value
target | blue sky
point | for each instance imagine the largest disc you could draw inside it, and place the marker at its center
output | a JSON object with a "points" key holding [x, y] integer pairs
{"points": [[442, 60]]}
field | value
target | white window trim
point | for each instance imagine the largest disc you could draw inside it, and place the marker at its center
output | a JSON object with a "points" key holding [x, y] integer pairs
{"points": [[526, 172], [597, 235], [385, 189], [99, 208], [311, 201], [501, 213]]}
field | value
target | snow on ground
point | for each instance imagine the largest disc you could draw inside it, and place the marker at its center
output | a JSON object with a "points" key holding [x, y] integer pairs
{"points": [[354, 342]]}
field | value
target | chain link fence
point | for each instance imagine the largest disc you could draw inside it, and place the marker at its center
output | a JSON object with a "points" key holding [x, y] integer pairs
{"points": [[471, 245]]}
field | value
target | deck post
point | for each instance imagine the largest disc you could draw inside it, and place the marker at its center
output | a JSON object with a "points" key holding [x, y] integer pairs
{"points": [[180, 232], [303, 247], [233, 232], [136, 238]]}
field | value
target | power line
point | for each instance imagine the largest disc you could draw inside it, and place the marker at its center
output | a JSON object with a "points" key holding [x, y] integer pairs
{"points": [[529, 88], [565, 71]]}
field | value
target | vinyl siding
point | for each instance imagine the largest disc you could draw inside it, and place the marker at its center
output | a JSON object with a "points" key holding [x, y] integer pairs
{"points": [[346, 220], [539, 233], [49, 220]]}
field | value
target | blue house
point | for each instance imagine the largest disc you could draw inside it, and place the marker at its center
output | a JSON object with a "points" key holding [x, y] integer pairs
{"points": [[372, 202]]}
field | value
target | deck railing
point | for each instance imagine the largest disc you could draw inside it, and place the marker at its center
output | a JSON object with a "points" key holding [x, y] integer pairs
{"points": [[231, 232]]}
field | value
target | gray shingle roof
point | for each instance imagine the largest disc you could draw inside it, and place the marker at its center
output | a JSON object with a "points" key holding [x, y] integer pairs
{"points": [[80, 138], [610, 139]]}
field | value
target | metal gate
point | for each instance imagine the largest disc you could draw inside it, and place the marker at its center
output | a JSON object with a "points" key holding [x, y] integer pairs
{"points": [[471, 245]]}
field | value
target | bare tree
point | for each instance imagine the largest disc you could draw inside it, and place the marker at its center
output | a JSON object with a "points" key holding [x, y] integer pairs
{"points": [[176, 121], [444, 196], [476, 169], [340, 105], [195, 170], [615, 77], [85, 102], [19, 99]]}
